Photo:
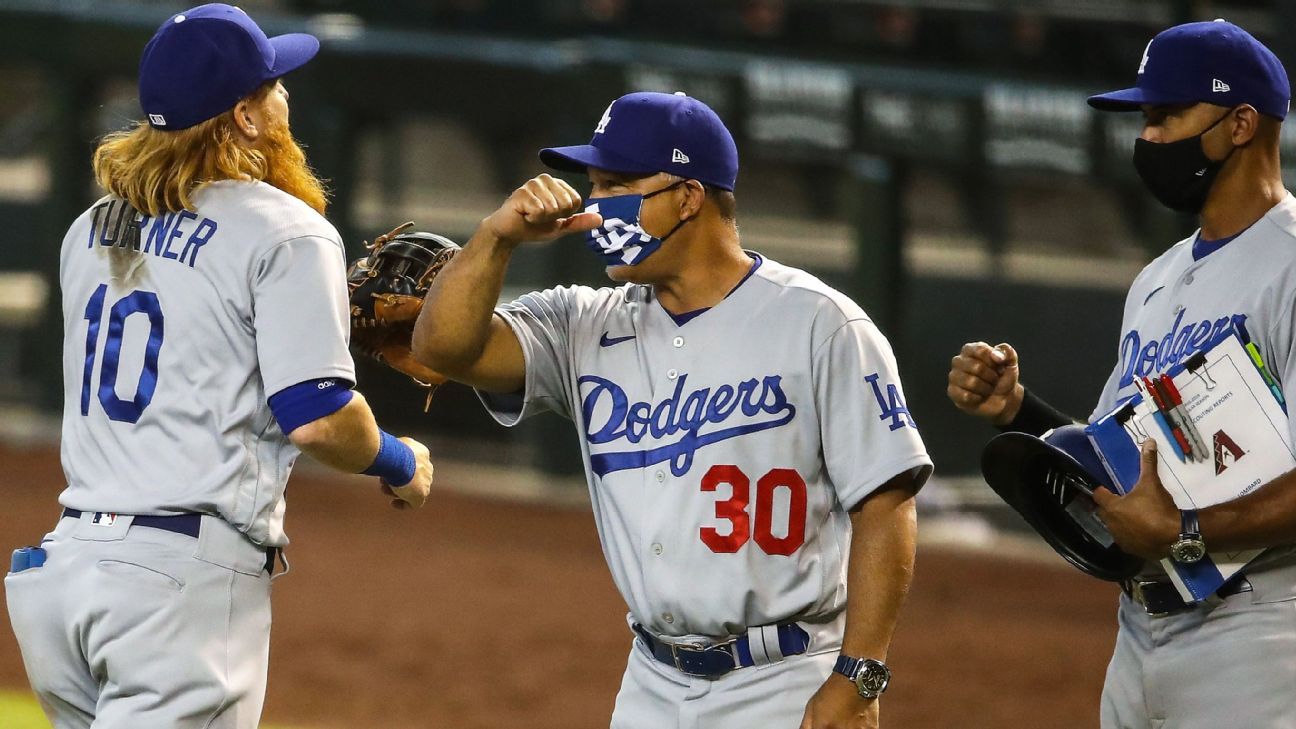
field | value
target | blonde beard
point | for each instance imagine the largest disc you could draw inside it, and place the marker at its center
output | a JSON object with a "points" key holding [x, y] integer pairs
{"points": [[287, 169]]}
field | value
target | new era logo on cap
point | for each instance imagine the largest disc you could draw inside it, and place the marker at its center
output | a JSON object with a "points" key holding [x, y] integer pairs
{"points": [[1219, 87], [679, 157], [157, 120]]}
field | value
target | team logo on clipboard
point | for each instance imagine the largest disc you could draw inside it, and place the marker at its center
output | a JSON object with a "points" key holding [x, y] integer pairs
{"points": [[1226, 452]]}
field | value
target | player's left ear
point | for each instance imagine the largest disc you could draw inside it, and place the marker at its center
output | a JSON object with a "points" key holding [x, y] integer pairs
{"points": [[1246, 122], [692, 200]]}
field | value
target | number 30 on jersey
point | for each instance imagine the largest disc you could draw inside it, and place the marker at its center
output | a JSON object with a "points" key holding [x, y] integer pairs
{"points": [[760, 529]]}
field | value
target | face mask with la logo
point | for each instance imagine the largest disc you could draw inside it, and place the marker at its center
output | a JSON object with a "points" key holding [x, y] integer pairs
{"points": [[621, 240]]}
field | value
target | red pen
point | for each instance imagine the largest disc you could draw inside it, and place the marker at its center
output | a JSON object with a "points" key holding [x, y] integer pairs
{"points": [[1181, 412], [1162, 398]]}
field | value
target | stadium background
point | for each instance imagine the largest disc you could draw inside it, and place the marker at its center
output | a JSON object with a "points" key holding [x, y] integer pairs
{"points": [[933, 158]]}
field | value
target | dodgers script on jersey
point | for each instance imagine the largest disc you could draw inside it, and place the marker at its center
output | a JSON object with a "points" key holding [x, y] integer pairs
{"points": [[1179, 301], [176, 330], [721, 454]]}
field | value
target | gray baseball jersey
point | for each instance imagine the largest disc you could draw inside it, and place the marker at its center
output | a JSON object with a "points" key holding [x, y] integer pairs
{"points": [[721, 454], [1164, 669], [169, 354], [1185, 296]]}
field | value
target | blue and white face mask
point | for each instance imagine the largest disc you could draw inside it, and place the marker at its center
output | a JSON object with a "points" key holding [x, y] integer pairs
{"points": [[621, 240]]}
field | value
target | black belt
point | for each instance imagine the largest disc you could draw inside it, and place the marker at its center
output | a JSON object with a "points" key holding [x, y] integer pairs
{"points": [[1161, 598], [186, 524], [714, 661]]}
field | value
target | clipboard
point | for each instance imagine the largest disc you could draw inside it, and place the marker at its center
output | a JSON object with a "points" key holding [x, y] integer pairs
{"points": [[1240, 413]]}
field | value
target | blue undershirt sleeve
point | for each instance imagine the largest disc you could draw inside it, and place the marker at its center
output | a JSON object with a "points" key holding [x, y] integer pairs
{"points": [[305, 402]]}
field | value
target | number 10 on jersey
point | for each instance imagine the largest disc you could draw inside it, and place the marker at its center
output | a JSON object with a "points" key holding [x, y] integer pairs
{"points": [[136, 302], [734, 510]]}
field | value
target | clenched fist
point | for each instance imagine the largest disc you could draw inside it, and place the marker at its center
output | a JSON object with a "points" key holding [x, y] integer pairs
{"points": [[542, 209], [413, 494], [984, 381]]}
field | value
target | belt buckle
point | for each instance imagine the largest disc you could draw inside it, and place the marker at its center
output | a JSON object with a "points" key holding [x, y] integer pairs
{"points": [[1136, 593], [677, 648]]}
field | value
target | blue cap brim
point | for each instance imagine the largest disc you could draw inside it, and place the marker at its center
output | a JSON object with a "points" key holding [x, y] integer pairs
{"points": [[583, 156], [1131, 99], [292, 51]]}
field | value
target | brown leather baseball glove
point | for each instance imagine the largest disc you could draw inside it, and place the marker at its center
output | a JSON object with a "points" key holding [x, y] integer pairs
{"points": [[387, 289]]}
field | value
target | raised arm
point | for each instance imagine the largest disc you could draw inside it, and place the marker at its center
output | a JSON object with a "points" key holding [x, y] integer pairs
{"points": [[457, 333]]}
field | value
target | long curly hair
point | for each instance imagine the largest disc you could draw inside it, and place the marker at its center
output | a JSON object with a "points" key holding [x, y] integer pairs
{"points": [[159, 171]]}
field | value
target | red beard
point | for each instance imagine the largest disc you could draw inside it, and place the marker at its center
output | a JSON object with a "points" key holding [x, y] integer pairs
{"points": [[286, 167]]}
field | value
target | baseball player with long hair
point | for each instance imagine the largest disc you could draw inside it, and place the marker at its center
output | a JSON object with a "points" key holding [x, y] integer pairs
{"points": [[749, 456], [1213, 100], [189, 392]]}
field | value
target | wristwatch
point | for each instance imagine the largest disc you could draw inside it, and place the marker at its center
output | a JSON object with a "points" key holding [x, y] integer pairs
{"points": [[870, 676], [1189, 547]]}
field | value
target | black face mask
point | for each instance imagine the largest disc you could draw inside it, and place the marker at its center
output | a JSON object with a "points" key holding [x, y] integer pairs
{"points": [[1179, 174]]}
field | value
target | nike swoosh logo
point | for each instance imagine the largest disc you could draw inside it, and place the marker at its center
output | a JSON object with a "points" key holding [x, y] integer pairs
{"points": [[606, 341], [1149, 296]]}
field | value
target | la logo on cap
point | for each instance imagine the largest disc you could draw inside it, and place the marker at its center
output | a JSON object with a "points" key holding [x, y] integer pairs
{"points": [[603, 122], [1143, 63]]}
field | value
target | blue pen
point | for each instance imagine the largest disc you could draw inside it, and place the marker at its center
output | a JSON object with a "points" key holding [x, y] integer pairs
{"points": [[1144, 386], [1165, 428]]}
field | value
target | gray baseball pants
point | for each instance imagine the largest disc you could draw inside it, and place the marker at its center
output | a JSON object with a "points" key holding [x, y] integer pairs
{"points": [[127, 627]]}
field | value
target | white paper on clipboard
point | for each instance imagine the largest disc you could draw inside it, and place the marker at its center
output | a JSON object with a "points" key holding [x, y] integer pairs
{"points": [[1245, 430]]}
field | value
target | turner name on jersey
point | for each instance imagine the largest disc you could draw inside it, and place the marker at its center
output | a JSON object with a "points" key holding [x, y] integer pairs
{"points": [[170, 236]]}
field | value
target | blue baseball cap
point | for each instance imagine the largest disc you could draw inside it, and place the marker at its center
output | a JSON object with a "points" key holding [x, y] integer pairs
{"points": [[200, 62], [1213, 61], [649, 132]]}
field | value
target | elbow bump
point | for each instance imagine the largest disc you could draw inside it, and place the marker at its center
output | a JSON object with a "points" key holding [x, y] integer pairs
{"points": [[442, 359]]}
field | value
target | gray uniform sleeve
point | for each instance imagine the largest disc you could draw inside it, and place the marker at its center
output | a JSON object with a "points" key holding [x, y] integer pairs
{"points": [[541, 322], [301, 313], [1279, 353], [868, 435]]}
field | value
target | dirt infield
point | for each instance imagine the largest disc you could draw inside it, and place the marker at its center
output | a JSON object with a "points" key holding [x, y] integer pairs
{"points": [[476, 613]]}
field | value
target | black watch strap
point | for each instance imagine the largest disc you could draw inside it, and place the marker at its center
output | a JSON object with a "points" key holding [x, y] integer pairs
{"points": [[1188, 522]]}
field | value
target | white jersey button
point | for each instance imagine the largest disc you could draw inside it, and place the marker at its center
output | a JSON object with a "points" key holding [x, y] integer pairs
{"points": [[672, 374], [656, 548], [660, 476], [679, 342], [668, 617]]}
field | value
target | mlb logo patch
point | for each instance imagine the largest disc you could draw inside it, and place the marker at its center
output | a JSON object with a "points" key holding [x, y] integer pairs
{"points": [[103, 518]]}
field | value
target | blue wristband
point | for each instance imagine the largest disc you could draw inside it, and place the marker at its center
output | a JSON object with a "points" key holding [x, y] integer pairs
{"points": [[395, 461]]}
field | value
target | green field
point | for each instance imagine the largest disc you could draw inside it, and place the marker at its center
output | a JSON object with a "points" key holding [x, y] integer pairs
{"points": [[18, 710]]}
